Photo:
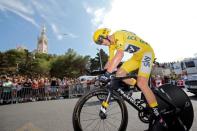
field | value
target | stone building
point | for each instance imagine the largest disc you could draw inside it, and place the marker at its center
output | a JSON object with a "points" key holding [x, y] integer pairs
{"points": [[42, 45]]}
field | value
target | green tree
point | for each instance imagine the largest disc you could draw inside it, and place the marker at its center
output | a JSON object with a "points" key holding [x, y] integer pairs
{"points": [[10, 59], [70, 65]]}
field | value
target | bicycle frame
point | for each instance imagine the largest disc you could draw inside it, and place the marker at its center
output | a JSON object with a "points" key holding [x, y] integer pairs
{"points": [[130, 100], [135, 102]]}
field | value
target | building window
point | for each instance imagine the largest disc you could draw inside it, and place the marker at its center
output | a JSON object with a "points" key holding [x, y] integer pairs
{"points": [[189, 64]]}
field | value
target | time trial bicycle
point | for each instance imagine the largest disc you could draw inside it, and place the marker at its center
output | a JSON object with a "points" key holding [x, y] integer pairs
{"points": [[109, 112]]}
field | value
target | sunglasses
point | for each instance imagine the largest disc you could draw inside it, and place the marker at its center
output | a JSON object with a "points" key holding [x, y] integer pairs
{"points": [[100, 39]]}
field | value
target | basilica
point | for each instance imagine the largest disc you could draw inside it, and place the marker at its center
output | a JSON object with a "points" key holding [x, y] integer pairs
{"points": [[42, 45]]}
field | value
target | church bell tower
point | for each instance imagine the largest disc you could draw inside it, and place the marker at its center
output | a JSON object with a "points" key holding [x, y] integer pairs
{"points": [[42, 45]]}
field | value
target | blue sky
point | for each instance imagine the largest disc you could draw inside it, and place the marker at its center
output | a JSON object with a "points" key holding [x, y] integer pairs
{"points": [[168, 26], [21, 22]]}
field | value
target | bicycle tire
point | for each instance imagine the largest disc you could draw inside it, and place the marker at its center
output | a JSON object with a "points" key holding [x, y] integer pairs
{"points": [[182, 101], [81, 102]]}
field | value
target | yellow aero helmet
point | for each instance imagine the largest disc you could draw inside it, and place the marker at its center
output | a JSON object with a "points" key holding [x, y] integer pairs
{"points": [[100, 34]]}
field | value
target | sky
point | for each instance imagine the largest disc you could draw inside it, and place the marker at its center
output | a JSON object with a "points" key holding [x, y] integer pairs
{"points": [[169, 26]]}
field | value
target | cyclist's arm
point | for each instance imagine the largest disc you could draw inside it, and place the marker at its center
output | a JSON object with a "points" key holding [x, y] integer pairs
{"points": [[115, 60], [111, 55], [120, 46], [107, 64]]}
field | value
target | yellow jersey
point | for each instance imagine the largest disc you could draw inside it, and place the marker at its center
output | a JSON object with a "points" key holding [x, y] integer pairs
{"points": [[129, 42]]}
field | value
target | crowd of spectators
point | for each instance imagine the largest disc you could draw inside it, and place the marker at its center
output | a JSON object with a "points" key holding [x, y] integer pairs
{"points": [[39, 88], [172, 77], [36, 83]]}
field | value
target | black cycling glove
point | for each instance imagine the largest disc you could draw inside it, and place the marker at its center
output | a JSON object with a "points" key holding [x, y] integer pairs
{"points": [[105, 77]]}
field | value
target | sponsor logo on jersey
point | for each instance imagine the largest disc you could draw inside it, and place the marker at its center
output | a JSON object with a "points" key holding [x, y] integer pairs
{"points": [[146, 61], [131, 48]]}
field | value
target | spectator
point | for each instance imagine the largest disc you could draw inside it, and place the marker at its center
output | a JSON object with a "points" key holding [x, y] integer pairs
{"points": [[184, 75], [27, 83], [7, 82], [15, 83], [41, 88], [54, 89], [35, 90], [7, 89], [1, 82], [26, 90], [47, 87]]}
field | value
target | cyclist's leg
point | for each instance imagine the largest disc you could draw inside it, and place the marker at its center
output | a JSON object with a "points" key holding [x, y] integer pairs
{"points": [[143, 77], [128, 66], [142, 81]]}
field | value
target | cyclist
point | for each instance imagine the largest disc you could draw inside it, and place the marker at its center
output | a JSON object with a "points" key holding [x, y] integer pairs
{"points": [[142, 59]]}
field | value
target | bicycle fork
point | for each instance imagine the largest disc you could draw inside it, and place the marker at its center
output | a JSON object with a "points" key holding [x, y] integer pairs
{"points": [[104, 106]]}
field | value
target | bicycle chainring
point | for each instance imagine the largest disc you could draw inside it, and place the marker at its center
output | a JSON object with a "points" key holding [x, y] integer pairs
{"points": [[144, 116]]}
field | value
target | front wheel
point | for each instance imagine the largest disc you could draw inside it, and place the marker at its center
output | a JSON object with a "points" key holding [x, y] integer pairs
{"points": [[86, 113]]}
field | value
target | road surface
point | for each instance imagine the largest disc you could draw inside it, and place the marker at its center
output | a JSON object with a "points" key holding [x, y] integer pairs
{"points": [[56, 115]]}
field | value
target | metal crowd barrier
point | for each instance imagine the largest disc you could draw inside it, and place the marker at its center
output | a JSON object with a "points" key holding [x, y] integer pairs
{"points": [[77, 90], [6, 94], [10, 95]]}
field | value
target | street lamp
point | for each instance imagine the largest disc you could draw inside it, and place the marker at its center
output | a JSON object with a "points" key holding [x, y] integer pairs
{"points": [[17, 67], [100, 60]]}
